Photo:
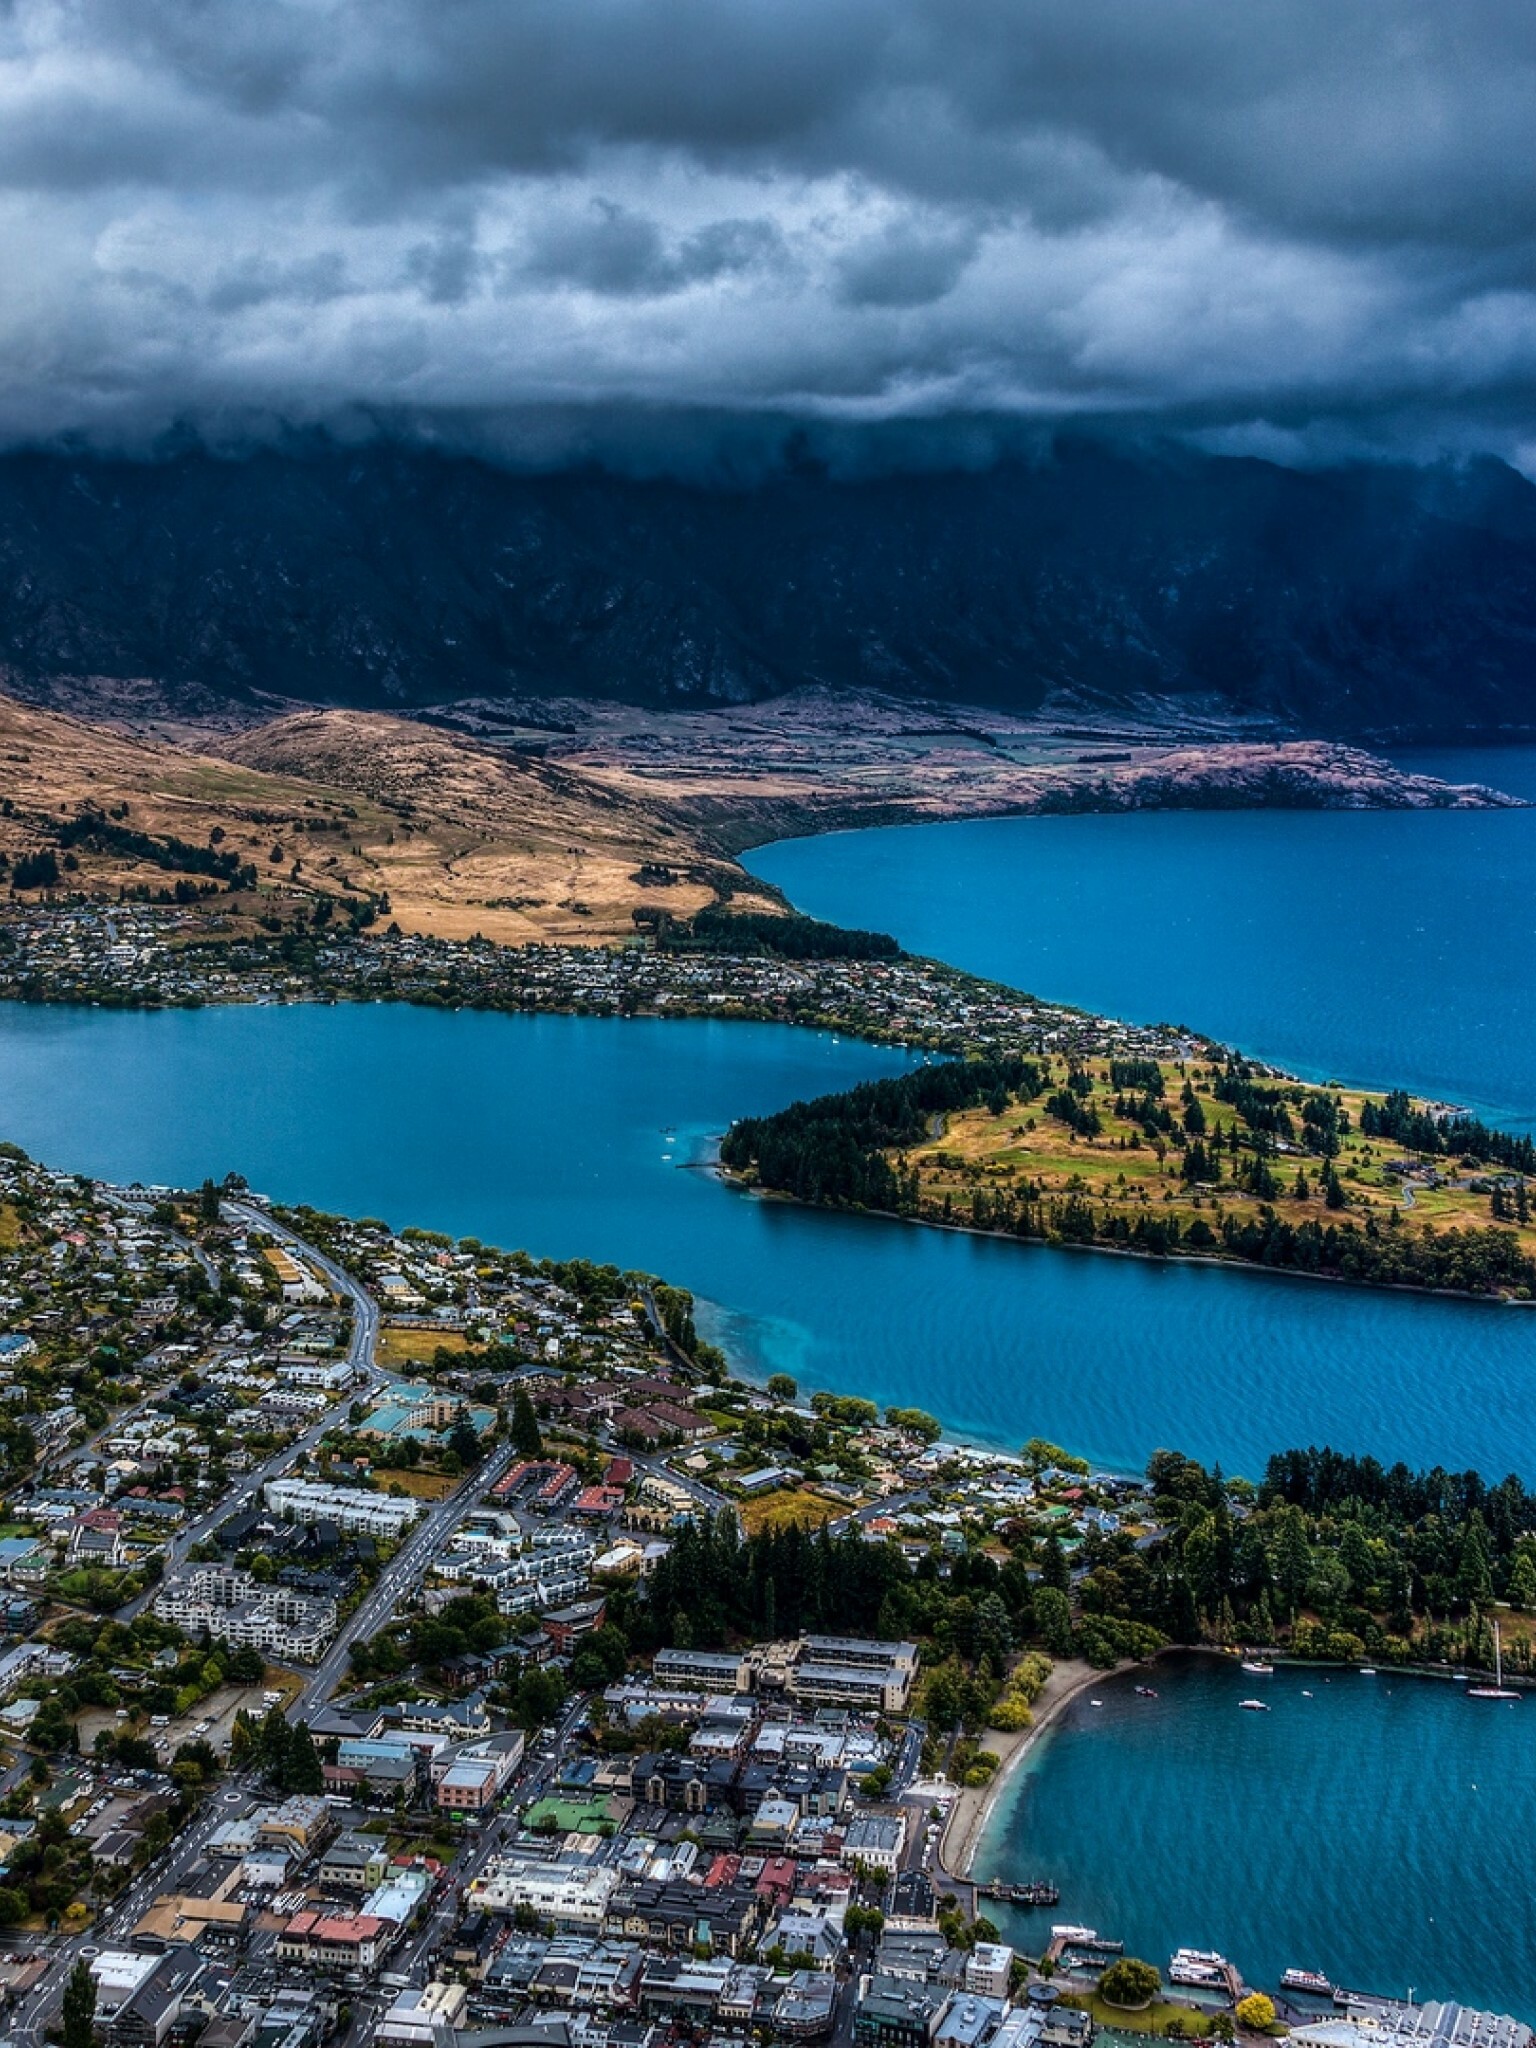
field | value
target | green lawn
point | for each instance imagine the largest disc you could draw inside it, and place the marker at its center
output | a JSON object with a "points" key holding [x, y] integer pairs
{"points": [[1156, 2019]]}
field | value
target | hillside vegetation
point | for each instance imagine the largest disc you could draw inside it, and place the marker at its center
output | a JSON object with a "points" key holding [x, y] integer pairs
{"points": [[340, 814], [1216, 1160]]}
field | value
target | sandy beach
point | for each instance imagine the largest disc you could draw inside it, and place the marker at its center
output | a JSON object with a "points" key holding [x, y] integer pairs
{"points": [[968, 1816]]}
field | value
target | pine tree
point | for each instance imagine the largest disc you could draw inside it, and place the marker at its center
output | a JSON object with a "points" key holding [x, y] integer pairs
{"points": [[79, 2007], [1522, 1582], [526, 1438], [305, 1772]]}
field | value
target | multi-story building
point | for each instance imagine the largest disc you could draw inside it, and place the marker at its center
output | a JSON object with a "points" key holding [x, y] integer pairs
{"points": [[222, 1601], [875, 1841], [470, 1779], [351, 1941], [575, 1901], [351, 1508], [853, 1671], [702, 1670]]}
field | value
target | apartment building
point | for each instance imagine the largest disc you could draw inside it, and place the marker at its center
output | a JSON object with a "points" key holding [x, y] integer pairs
{"points": [[351, 1508], [230, 1603]]}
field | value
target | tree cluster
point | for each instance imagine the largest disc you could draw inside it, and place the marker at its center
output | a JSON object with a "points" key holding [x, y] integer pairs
{"points": [[832, 1149]]}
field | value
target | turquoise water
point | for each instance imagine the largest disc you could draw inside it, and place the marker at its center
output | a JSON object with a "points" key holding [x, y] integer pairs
{"points": [[1378, 1831], [1342, 1832], [571, 1136], [1388, 947]]}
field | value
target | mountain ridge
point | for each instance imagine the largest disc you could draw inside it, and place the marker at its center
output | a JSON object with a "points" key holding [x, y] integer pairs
{"points": [[1360, 603]]}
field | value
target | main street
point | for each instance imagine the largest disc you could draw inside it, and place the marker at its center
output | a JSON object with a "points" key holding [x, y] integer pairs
{"points": [[407, 1565]]}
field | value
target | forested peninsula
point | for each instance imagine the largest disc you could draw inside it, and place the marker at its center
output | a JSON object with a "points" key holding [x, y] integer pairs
{"points": [[1210, 1157]]}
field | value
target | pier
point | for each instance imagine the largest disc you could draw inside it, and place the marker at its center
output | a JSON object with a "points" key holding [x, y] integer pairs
{"points": [[1036, 1893]]}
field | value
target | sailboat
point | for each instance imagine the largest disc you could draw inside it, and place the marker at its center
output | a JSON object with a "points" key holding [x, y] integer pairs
{"points": [[1498, 1690]]}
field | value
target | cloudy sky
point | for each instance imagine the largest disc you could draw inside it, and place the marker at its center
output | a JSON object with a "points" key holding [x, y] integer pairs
{"points": [[1301, 225]]}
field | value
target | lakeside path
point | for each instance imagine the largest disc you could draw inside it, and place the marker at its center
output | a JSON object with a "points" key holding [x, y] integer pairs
{"points": [[973, 1808]]}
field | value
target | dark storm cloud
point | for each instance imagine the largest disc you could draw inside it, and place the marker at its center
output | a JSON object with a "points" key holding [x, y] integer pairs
{"points": [[1287, 226]]}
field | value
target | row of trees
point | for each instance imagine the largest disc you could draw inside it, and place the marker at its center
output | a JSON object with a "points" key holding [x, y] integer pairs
{"points": [[1417, 1131]]}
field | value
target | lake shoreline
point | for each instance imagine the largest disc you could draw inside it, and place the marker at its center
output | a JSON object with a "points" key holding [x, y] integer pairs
{"points": [[742, 1186], [966, 1827]]}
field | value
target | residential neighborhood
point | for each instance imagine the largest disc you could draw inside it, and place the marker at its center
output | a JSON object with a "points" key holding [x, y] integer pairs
{"points": [[410, 1641]]}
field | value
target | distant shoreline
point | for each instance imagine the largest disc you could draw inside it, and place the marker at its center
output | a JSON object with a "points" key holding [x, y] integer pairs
{"points": [[1116, 1251]]}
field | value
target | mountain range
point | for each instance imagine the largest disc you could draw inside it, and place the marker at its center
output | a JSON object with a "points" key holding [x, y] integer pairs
{"points": [[1370, 602]]}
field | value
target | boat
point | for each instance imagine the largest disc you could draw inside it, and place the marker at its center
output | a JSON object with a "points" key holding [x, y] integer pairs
{"points": [[1199, 1968], [1261, 1665], [1146, 1692], [1305, 1693], [1255, 1706], [1367, 1670], [1498, 1690], [1095, 1703], [1313, 1982]]}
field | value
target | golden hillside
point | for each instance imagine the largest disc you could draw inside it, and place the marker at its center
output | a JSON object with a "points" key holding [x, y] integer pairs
{"points": [[454, 837], [479, 839]]}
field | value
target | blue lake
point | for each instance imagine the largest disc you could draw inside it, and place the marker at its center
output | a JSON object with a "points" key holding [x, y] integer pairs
{"points": [[1386, 947], [1377, 1831], [572, 1136]]}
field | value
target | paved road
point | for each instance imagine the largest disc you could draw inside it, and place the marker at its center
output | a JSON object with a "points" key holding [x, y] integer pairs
{"points": [[409, 1562], [36, 2012], [247, 1490], [706, 1496], [365, 1310]]}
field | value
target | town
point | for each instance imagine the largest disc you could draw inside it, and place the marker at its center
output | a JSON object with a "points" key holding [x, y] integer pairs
{"points": [[413, 1642], [152, 955]]}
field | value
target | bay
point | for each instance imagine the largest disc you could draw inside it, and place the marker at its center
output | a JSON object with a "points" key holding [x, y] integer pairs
{"points": [[1394, 948], [1376, 1831], [581, 1137]]}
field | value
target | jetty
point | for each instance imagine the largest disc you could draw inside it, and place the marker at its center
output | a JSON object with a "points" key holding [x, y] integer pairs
{"points": [[1036, 1893], [1202, 1969], [1082, 1948]]}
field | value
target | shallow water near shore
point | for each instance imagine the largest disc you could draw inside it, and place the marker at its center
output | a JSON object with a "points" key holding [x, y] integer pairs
{"points": [[1378, 1831], [573, 1137]]}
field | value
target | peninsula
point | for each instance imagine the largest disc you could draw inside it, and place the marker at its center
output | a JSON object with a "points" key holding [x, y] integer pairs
{"points": [[1204, 1155]]}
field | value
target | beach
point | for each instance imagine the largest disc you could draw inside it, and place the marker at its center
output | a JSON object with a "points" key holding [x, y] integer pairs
{"points": [[969, 1814]]}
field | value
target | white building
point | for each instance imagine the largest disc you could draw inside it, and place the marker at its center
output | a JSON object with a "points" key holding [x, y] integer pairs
{"points": [[233, 1605], [351, 1508]]}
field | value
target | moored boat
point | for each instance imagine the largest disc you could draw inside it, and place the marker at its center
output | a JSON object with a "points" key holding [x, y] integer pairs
{"points": [[1199, 1968], [1498, 1690], [1313, 1982], [1255, 1706]]}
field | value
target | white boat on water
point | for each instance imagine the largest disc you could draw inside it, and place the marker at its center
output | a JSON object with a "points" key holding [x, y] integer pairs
{"points": [[1255, 1706], [1498, 1690], [1198, 1968], [1259, 1665]]}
